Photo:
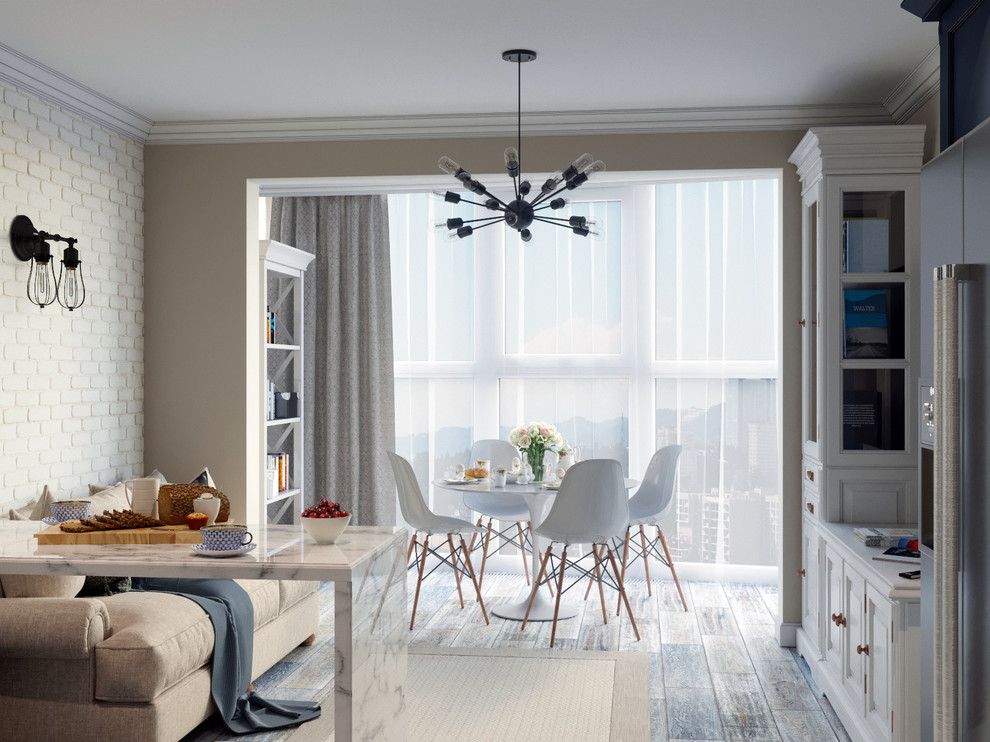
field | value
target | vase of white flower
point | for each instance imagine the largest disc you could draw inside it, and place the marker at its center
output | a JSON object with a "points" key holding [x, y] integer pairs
{"points": [[535, 440]]}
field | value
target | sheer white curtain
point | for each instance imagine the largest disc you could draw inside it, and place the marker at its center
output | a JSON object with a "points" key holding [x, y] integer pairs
{"points": [[662, 330]]}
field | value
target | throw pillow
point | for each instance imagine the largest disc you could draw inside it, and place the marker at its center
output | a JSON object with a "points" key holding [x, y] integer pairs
{"points": [[111, 498], [41, 586], [44, 507], [204, 478], [38, 508]]}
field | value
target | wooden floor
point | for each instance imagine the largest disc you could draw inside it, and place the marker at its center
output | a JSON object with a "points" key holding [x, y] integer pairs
{"points": [[716, 671]]}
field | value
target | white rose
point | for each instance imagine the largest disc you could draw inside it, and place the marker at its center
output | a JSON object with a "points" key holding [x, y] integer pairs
{"points": [[558, 439], [514, 438], [524, 441]]}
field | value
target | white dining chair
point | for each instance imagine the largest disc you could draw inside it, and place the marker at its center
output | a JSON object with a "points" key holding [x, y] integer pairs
{"points": [[591, 507], [424, 521], [501, 506], [646, 508]]}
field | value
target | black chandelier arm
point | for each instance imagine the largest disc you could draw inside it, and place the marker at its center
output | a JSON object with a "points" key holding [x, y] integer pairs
{"points": [[549, 194], [488, 221], [491, 195], [554, 220]]}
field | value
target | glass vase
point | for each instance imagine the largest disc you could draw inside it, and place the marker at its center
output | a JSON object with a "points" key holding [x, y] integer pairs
{"points": [[536, 458]]}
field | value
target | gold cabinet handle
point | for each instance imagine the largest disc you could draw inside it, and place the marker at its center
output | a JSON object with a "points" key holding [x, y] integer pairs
{"points": [[838, 620], [802, 323], [811, 508], [863, 649], [811, 475], [801, 573]]}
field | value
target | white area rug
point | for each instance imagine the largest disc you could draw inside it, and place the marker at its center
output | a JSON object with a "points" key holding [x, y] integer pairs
{"points": [[566, 696]]}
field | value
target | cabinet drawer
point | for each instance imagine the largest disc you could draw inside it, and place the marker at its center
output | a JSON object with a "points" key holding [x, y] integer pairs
{"points": [[811, 500]]}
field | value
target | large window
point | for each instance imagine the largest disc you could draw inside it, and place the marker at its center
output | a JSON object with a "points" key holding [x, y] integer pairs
{"points": [[661, 330]]}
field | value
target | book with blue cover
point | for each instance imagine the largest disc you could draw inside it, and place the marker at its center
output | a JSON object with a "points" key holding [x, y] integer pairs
{"points": [[867, 333]]}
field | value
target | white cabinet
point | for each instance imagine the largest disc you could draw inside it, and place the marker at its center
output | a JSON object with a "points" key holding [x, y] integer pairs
{"points": [[860, 320], [281, 460], [866, 656], [860, 349]]}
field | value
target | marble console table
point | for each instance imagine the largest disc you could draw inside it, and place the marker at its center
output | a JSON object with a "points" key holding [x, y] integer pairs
{"points": [[367, 566]]}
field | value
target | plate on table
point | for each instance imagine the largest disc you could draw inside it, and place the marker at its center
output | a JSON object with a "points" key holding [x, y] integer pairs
{"points": [[460, 481], [201, 549], [550, 485], [51, 521]]}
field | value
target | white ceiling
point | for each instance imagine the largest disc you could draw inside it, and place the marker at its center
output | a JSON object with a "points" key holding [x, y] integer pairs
{"points": [[223, 60]]}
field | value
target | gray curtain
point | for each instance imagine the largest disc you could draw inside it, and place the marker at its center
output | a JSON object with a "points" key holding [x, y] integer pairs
{"points": [[348, 390]]}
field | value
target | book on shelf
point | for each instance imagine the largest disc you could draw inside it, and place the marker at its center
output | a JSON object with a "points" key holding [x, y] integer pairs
{"points": [[884, 538], [897, 554], [279, 462], [862, 413], [867, 245], [865, 325]]}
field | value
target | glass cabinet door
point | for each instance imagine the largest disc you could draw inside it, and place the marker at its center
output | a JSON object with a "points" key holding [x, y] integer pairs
{"points": [[872, 306], [809, 323]]}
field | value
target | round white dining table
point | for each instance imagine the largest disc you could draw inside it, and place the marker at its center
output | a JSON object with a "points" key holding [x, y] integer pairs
{"points": [[538, 499]]}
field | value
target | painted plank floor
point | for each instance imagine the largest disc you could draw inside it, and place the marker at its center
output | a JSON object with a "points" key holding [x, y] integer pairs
{"points": [[716, 672]]}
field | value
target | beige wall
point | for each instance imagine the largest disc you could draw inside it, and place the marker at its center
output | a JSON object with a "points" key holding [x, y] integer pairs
{"points": [[201, 216]]}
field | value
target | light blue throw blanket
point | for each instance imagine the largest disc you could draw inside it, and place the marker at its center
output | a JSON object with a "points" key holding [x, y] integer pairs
{"points": [[232, 614]]}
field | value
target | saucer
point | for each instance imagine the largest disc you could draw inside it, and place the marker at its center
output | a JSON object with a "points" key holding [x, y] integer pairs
{"points": [[51, 521], [201, 549]]}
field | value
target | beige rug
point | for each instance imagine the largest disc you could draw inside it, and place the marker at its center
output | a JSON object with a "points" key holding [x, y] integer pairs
{"points": [[547, 695]]}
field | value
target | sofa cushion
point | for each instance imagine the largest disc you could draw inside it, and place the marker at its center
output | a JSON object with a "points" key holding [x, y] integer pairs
{"points": [[41, 586], [264, 596], [292, 591], [159, 638]]}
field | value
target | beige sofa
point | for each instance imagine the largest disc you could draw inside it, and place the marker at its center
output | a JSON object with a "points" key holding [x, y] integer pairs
{"points": [[133, 666]]}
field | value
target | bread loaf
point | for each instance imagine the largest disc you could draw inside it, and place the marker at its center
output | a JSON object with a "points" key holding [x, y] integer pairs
{"points": [[175, 502]]}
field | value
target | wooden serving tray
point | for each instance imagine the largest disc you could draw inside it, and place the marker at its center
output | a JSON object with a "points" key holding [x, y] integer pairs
{"points": [[53, 535]]}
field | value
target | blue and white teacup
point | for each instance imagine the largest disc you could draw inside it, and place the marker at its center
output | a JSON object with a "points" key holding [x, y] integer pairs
{"points": [[63, 510], [225, 537]]}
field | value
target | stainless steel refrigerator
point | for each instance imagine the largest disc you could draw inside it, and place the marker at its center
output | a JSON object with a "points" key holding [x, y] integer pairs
{"points": [[954, 419]]}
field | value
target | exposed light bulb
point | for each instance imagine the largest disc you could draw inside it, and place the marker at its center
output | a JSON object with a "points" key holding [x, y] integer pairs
{"points": [[450, 223], [512, 162], [42, 287], [578, 165], [552, 182], [596, 167], [449, 166]]}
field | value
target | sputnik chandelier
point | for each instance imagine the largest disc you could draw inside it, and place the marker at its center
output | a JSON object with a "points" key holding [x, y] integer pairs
{"points": [[520, 212]]}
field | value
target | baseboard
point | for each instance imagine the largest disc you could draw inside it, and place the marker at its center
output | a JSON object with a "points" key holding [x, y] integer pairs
{"points": [[787, 634]]}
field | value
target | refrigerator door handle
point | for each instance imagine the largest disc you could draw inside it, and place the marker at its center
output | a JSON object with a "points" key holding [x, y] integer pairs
{"points": [[946, 500]]}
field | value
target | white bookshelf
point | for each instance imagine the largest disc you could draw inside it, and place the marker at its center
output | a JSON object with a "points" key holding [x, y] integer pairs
{"points": [[282, 274]]}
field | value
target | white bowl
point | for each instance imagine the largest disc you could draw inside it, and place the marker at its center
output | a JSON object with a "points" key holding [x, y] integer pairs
{"points": [[326, 530]]}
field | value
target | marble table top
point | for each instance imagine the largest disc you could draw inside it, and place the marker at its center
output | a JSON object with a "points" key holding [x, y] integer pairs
{"points": [[283, 552]]}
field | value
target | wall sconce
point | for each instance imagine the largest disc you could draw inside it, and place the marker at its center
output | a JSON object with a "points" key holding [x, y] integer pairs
{"points": [[43, 288]]}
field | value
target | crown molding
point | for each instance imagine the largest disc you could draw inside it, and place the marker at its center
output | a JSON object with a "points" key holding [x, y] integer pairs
{"points": [[545, 123], [915, 89], [33, 77], [50, 85]]}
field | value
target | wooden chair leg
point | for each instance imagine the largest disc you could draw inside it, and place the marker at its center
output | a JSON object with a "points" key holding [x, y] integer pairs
{"points": [[477, 583], [412, 545], [422, 564], [625, 559], [560, 592], [309, 641], [646, 562], [529, 527], [522, 551], [475, 535], [666, 553], [544, 560], [622, 593], [484, 553], [453, 563], [598, 579]]}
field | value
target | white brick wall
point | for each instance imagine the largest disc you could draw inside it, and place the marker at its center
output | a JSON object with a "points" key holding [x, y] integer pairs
{"points": [[71, 383]]}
